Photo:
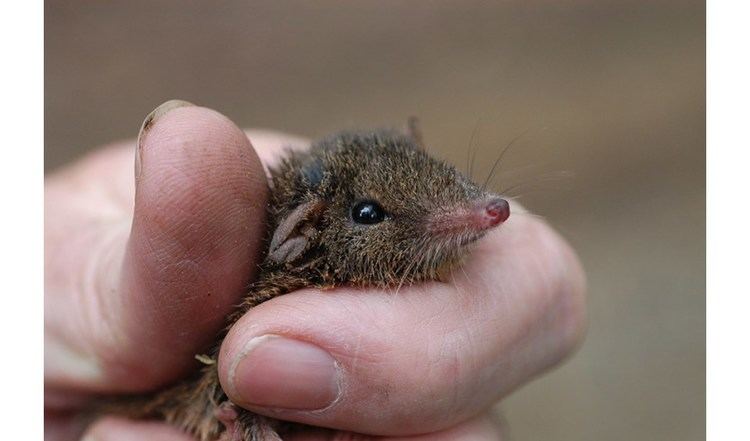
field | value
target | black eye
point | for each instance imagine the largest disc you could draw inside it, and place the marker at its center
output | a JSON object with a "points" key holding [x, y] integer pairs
{"points": [[368, 212]]}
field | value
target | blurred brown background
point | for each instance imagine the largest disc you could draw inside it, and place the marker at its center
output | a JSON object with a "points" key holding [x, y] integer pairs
{"points": [[610, 92]]}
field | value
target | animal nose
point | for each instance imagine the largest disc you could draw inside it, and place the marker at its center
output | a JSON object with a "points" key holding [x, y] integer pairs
{"points": [[496, 210]]}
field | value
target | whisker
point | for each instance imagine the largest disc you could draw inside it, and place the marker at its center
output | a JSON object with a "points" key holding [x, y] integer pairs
{"points": [[463, 270], [406, 273], [497, 161], [539, 179], [471, 155]]}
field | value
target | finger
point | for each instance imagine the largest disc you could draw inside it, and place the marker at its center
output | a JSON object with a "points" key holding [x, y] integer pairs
{"points": [[485, 427], [199, 221], [119, 429], [425, 358], [62, 426], [142, 296], [482, 428]]}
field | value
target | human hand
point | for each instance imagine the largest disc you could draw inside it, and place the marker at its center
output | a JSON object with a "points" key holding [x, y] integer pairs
{"points": [[137, 283]]}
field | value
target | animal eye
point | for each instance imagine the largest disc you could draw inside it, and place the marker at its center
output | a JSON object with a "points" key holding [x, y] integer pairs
{"points": [[368, 212]]}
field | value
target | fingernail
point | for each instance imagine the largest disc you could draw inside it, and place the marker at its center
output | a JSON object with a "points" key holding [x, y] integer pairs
{"points": [[279, 372], [149, 122]]}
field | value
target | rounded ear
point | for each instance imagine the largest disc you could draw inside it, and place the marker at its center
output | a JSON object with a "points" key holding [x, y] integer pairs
{"points": [[295, 231]]}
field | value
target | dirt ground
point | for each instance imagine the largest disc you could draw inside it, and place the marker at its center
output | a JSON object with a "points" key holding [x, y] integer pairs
{"points": [[607, 97]]}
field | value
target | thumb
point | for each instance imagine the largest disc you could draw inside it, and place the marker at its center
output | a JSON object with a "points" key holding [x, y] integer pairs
{"points": [[198, 221], [197, 225]]}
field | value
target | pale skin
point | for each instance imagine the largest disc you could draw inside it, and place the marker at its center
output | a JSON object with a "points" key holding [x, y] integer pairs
{"points": [[140, 273]]}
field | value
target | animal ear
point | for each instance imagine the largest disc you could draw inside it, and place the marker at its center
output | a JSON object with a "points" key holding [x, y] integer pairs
{"points": [[295, 231], [414, 131]]}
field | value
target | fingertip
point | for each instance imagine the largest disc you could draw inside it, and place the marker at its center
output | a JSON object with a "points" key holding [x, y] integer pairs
{"points": [[178, 133], [569, 299], [149, 121], [545, 264]]}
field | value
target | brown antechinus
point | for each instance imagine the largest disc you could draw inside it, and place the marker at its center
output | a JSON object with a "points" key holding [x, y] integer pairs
{"points": [[360, 209]]}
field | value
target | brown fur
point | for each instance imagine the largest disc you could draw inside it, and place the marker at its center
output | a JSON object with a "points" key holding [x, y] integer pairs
{"points": [[315, 242]]}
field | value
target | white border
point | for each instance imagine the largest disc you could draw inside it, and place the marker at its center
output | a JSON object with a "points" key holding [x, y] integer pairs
{"points": [[21, 254], [21, 218], [728, 252]]}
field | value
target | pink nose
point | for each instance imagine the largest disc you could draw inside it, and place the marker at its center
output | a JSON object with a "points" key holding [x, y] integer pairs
{"points": [[496, 211]]}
